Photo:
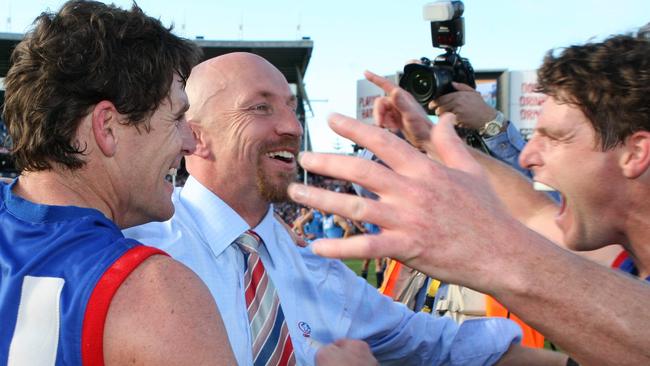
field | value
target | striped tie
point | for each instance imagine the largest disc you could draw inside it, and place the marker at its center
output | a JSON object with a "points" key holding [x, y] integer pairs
{"points": [[271, 342]]}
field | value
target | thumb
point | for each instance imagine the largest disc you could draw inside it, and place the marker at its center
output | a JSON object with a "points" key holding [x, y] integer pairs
{"points": [[451, 149], [462, 87]]}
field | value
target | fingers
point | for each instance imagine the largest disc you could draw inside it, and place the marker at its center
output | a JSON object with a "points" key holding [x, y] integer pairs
{"points": [[354, 247], [350, 206], [386, 85], [384, 114], [451, 149], [396, 153], [372, 176], [462, 87]]}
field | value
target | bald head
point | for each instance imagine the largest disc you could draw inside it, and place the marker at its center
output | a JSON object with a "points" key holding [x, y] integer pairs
{"points": [[224, 77], [243, 115]]}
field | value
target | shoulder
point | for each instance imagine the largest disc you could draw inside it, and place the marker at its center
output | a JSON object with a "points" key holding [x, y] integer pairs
{"points": [[163, 314], [164, 235]]}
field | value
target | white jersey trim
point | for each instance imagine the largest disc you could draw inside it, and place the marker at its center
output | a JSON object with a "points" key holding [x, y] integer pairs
{"points": [[36, 337]]}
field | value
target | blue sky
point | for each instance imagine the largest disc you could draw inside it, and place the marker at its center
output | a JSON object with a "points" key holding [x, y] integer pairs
{"points": [[380, 35]]}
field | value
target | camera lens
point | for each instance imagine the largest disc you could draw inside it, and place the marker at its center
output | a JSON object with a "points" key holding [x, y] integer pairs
{"points": [[422, 83]]}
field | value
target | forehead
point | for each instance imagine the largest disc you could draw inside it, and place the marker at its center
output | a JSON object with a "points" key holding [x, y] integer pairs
{"points": [[556, 115], [258, 78]]}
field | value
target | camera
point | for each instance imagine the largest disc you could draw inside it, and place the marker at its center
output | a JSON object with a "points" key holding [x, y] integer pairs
{"points": [[430, 80]]}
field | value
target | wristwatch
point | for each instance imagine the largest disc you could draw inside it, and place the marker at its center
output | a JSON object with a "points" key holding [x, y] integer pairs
{"points": [[493, 127]]}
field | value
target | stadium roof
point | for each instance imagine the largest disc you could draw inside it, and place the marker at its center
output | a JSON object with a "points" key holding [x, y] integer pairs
{"points": [[290, 57]]}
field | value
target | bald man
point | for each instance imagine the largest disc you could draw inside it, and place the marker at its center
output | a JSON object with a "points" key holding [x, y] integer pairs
{"points": [[242, 112]]}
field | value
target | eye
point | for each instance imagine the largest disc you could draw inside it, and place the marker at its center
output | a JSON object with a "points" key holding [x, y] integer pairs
{"points": [[261, 108], [179, 120]]}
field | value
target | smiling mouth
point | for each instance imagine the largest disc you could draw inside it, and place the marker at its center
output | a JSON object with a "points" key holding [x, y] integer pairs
{"points": [[283, 155], [539, 186]]}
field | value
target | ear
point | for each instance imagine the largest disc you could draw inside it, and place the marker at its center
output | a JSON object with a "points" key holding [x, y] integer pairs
{"points": [[104, 118], [635, 159], [202, 146]]}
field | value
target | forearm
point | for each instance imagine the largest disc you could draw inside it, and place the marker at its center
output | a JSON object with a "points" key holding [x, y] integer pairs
{"points": [[532, 208], [520, 355], [577, 304]]}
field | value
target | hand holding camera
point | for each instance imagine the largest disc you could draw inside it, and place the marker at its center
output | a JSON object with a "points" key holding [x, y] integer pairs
{"points": [[431, 80], [467, 104]]}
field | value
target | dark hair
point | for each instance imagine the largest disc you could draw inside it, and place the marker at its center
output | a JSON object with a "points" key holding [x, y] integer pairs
{"points": [[609, 81], [73, 59]]}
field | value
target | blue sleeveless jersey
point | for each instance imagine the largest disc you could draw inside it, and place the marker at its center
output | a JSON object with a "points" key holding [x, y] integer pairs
{"points": [[331, 229], [59, 267], [315, 226]]}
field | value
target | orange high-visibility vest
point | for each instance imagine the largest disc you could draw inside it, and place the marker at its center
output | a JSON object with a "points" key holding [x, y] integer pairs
{"points": [[532, 338], [390, 278]]}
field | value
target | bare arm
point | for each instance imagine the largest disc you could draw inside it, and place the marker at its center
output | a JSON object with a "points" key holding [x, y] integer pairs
{"points": [[295, 236], [343, 223], [299, 224], [567, 298], [398, 110], [519, 355], [358, 225], [164, 315]]}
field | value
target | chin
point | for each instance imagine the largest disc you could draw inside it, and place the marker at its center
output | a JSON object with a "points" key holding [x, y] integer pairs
{"points": [[275, 194], [162, 213], [274, 190]]}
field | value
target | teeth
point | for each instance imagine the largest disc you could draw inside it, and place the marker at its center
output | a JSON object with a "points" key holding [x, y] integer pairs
{"points": [[280, 154], [542, 187]]}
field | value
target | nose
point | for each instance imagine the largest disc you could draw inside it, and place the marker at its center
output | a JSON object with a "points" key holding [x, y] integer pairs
{"points": [[188, 141], [530, 155], [289, 124]]}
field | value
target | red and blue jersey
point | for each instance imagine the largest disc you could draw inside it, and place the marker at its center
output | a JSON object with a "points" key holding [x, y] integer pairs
{"points": [[59, 269], [625, 263]]}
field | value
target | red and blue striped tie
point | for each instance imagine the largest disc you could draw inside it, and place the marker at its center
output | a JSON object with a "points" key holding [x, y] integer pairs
{"points": [[271, 342]]}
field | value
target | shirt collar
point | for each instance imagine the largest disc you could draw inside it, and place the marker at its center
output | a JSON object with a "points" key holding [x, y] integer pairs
{"points": [[265, 228], [218, 223]]}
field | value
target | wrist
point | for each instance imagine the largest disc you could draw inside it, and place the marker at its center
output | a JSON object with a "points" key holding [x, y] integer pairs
{"points": [[494, 127]]}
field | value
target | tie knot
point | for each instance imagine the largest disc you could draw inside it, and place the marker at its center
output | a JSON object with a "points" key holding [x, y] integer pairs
{"points": [[249, 241]]}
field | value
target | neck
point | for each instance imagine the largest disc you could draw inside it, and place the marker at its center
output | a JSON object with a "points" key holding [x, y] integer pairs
{"points": [[637, 232], [245, 199], [60, 187], [252, 211]]}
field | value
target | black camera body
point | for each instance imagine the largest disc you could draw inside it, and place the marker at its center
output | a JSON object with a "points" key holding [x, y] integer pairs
{"points": [[430, 80]]}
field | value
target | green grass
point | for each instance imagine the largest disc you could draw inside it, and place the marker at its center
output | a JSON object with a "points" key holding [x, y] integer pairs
{"points": [[355, 265]]}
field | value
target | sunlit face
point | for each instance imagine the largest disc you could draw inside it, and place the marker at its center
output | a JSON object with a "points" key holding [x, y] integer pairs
{"points": [[564, 154], [255, 132], [149, 156]]}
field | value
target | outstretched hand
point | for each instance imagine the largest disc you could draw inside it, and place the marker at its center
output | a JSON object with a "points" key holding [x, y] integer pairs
{"points": [[424, 206], [398, 110]]}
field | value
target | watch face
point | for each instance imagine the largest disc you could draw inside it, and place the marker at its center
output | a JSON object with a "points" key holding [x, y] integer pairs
{"points": [[492, 129]]}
